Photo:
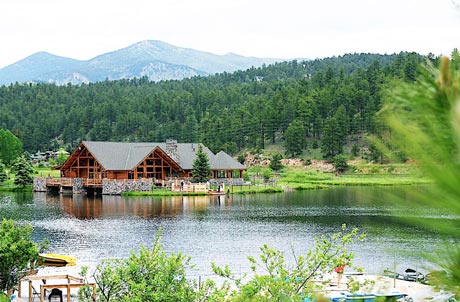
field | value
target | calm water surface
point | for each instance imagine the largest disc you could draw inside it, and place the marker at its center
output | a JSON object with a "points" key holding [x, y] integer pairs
{"points": [[226, 229]]}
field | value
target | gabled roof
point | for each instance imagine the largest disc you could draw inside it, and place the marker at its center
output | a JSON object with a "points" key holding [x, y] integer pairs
{"points": [[121, 156], [223, 161], [117, 156]]}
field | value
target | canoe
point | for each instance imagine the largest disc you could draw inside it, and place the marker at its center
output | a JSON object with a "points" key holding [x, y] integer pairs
{"points": [[211, 192], [57, 260]]}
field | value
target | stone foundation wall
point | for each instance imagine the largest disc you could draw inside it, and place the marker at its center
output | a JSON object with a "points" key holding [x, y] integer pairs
{"points": [[78, 186], [39, 184], [117, 187], [227, 181]]}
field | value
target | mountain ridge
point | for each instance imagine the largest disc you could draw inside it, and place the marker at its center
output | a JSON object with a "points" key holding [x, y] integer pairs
{"points": [[152, 58]]}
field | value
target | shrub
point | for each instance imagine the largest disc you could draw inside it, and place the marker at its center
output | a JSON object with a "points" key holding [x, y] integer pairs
{"points": [[279, 282], [17, 252], [340, 163], [275, 163], [150, 275]]}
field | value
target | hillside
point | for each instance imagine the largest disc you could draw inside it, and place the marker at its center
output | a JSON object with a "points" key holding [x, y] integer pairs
{"points": [[155, 60], [317, 105]]}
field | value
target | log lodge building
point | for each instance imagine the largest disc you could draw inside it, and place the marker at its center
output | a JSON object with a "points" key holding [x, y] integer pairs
{"points": [[115, 167]]}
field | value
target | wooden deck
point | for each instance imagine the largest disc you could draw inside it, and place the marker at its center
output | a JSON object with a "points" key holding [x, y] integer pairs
{"points": [[68, 182]]}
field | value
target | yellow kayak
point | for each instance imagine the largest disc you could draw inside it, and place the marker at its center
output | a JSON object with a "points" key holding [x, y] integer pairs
{"points": [[57, 260]]}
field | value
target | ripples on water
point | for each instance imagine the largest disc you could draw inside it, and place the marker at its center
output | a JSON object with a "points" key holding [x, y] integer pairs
{"points": [[221, 229]]}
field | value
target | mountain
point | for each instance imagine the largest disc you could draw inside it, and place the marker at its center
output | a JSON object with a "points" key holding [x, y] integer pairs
{"points": [[155, 59]]}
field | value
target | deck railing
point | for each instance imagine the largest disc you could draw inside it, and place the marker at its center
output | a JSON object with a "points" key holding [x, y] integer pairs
{"points": [[68, 182], [63, 182], [92, 182]]}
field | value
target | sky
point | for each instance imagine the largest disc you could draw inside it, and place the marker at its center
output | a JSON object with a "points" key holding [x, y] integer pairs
{"points": [[284, 29]]}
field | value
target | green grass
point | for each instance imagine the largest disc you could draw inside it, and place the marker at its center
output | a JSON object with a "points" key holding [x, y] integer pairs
{"points": [[47, 171], [15, 189], [9, 186], [247, 189], [253, 189], [363, 175]]}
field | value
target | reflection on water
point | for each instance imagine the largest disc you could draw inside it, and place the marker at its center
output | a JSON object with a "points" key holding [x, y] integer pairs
{"points": [[97, 207], [225, 229]]}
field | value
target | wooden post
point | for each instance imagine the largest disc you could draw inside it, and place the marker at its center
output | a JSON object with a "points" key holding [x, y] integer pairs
{"points": [[42, 293], [94, 292], [19, 289], [30, 291], [68, 288]]}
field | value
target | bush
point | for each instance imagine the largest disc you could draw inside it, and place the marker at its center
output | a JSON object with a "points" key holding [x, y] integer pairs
{"points": [[150, 275], [17, 252], [3, 175], [241, 158], [280, 282], [275, 163], [355, 150], [340, 163]]}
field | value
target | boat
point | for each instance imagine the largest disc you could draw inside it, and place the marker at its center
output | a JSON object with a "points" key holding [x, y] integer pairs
{"points": [[408, 275], [57, 260], [370, 297], [214, 192]]}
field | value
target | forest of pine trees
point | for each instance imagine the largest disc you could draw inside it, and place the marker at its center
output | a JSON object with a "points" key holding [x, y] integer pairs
{"points": [[321, 101]]}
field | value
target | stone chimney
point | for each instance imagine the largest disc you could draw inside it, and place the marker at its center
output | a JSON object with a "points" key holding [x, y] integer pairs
{"points": [[171, 149]]}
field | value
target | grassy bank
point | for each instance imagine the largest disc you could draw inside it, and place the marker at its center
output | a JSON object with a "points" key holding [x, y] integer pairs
{"points": [[307, 178], [9, 186], [4, 188], [246, 189]]}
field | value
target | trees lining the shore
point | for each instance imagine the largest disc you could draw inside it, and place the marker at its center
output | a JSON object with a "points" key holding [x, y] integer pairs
{"points": [[230, 112]]}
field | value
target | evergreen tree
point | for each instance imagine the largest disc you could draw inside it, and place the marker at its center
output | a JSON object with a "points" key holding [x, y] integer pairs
{"points": [[3, 175], [355, 150], [332, 142], [275, 163], [23, 170], [294, 138], [248, 107], [342, 120], [340, 163], [201, 167]]}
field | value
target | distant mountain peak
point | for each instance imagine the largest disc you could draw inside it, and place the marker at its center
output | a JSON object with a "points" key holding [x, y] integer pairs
{"points": [[152, 58]]}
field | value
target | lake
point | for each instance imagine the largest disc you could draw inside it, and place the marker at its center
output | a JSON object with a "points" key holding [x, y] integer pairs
{"points": [[226, 229]]}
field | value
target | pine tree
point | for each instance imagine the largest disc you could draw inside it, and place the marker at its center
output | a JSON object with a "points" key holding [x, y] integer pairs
{"points": [[201, 167], [332, 142], [3, 175], [275, 162], [294, 138], [23, 171]]}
